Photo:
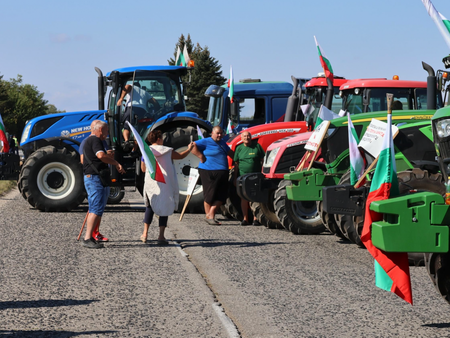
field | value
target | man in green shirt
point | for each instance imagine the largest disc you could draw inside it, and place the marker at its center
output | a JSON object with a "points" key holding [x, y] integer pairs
{"points": [[248, 158]]}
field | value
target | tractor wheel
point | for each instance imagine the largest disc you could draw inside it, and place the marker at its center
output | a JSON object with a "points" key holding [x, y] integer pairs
{"points": [[233, 202], [346, 222], [116, 195], [265, 215], [51, 179], [299, 217], [438, 267], [329, 221], [179, 138]]}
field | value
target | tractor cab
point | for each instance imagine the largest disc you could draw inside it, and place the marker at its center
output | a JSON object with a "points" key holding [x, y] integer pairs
{"points": [[369, 95]]}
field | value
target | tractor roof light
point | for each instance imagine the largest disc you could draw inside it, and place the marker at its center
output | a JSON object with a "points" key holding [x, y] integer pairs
{"points": [[395, 77], [341, 93], [357, 91], [191, 64], [444, 75]]}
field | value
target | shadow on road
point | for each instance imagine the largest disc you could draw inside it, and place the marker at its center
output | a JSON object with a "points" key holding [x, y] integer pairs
{"points": [[43, 303], [438, 325], [211, 243], [59, 334]]}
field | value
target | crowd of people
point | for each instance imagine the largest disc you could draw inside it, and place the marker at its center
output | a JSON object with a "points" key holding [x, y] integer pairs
{"points": [[162, 198]]}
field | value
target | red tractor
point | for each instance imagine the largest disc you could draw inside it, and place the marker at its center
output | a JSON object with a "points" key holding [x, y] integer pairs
{"points": [[317, 92]]}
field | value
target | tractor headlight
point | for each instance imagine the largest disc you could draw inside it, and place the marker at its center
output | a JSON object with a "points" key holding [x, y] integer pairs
{"points": [[25, 133], [443, 128], [270, 157]]}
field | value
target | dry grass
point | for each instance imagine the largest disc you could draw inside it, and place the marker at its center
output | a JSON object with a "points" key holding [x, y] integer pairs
{"points": [[6, 186]]}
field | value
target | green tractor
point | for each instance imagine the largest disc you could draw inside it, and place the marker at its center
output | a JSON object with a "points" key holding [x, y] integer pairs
{"points": [[419, 222], [414, 144]]}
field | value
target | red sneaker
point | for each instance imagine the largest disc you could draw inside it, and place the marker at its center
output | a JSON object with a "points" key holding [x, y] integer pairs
{"points": [[99, 237]]}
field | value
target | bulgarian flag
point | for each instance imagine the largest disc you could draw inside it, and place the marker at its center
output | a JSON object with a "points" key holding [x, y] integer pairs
{"points": [[149, 159], [180, 59], [231, 86], [229, 127], [186, 56], [356, 160], [391, 268], [3, 136], [326, 65], [325, 114], [441, 22], [200, 134]]}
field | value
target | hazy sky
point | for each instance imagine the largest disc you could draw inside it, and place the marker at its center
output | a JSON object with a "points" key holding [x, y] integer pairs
{"points": [[55, 45]]}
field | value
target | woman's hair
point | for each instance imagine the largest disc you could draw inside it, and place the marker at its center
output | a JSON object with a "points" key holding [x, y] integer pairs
{"points": [[154, 135]]}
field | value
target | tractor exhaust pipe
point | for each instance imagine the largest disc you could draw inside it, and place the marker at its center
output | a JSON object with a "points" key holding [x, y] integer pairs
{"points": [[292, 103], [431, 87], [330, 93], [101, 90]]}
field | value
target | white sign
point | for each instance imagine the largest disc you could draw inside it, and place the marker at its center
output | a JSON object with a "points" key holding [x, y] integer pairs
{"points": [[317, 136], [372, 140], [193, 178]]}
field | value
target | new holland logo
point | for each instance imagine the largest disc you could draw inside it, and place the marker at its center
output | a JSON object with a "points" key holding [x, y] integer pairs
{"points": [[65, 133]]}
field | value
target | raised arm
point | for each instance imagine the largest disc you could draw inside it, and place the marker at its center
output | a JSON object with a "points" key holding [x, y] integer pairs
{"points": [[183, 154]]}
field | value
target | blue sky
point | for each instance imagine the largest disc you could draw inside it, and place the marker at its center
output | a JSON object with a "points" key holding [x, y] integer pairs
{"points": [[55, 45]]}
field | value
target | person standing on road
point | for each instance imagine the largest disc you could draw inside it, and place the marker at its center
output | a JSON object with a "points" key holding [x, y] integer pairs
{"points": [[161, 198], [213, 170], [248, 158], [94, 150], [96, 233]]}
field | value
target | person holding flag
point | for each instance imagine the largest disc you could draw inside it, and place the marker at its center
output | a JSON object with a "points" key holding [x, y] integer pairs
{"points": [[161, 185]]}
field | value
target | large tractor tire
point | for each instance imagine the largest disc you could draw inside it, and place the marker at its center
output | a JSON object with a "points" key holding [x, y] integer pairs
{"points": [[116, 194], [179, 138], [265, 215], [51, 179], [438, 267], [329, 221], [346, 222], [299, 217]]}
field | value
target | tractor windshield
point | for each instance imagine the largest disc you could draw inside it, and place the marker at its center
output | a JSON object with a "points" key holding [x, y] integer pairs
{"points": [[374, 99], [215, 110], [152, 95], [317, 96]]}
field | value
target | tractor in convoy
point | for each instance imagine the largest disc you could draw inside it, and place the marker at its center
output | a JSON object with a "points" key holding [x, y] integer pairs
{"points": [[270, 190], [418, 221], [259, 188], [414, 149], [51, 177]]}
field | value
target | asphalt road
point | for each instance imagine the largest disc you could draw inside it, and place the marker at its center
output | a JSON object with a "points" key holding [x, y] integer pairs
{"points": [[211, 281]]}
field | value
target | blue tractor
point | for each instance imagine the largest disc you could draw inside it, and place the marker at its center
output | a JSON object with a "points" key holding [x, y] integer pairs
{"points": [[51, 178]]}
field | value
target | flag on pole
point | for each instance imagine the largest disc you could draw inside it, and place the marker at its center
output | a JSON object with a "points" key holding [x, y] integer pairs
{"points": [[186, 56], [325, 114], [3, 136], [229, 127], [391, 268], [149, 159], [231, 86], [180, 60], [200, 134], [326, 65], [356, 160], [441, 22]]}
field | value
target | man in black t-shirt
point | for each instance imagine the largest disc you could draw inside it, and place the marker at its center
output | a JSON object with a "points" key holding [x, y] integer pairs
{"points": [[95, 159]]}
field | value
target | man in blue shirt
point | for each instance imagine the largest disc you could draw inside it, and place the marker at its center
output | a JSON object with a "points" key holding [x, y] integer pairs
{"points": [[213, 170]]}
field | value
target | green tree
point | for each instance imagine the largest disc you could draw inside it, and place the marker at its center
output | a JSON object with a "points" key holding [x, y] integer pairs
{"points": [[207, 71], [20, 102], [51, 109]]}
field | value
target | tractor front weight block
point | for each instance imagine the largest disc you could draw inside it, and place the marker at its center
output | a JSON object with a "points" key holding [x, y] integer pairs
{"points": [[412, 223], [345, 200]]}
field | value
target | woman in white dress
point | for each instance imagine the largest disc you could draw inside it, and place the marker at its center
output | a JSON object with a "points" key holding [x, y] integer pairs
{"points": [[161, 198]]}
